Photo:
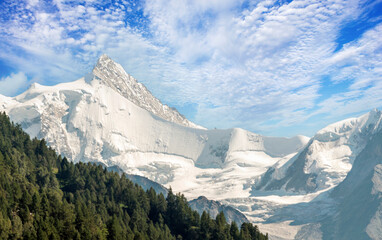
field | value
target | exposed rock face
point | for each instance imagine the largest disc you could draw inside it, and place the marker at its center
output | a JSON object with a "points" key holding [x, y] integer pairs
{"points": [[214, 207], [144, 182]]}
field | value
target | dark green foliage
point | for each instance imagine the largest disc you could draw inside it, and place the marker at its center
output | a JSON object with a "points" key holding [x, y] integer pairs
{"points": [[43, 196]]}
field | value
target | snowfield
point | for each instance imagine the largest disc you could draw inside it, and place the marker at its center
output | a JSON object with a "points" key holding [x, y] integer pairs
{"points": [[290, 187]]}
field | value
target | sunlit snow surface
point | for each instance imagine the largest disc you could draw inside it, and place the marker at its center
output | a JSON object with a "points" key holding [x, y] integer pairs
{"points": [[99, 118]]}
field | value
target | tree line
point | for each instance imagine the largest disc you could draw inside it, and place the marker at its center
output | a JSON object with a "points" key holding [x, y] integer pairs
{"points": [[44, 196]]}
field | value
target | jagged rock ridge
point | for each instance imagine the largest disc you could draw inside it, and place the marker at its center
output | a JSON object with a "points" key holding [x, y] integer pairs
{"points": [[114, 76]]}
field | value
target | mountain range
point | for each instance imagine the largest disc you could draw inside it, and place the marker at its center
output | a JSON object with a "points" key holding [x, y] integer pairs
{"points": [[293, 188]]}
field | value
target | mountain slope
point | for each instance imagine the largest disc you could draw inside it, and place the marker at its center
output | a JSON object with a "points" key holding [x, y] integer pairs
{"points": [[326, 159], [359, 197]]}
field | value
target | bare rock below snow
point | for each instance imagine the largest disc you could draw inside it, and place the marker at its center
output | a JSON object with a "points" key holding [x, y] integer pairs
{"points": [[214, 208]]}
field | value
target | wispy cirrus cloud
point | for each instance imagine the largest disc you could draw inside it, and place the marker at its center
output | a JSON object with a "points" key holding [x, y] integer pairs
{"points": [[267, 66], [359, 65]]}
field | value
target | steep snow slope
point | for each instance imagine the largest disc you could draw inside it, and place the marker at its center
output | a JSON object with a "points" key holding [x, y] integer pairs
{"points": [[108, 117], [359, 196], [114, 76], [326, 159]]}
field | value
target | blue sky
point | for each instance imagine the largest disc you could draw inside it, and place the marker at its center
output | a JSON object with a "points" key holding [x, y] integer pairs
{"points": [[277, 68]]}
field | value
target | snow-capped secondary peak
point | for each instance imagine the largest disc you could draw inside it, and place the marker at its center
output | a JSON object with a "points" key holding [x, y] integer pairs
{"points": [[34, 85], [112, 74], [368, 123], [327, 158]]}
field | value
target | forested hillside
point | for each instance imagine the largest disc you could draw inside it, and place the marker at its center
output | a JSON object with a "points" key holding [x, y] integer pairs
{"points": [[43, 196]]}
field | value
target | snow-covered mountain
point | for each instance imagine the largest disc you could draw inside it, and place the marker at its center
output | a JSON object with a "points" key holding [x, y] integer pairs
{"points": [[108, 117], [327, 158], [293, 188]]}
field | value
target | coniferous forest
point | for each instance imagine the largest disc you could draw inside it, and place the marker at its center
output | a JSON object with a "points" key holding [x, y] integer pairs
{"points": [[44, 196]]}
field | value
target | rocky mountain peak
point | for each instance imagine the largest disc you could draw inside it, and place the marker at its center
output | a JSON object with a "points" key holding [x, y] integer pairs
{"points": [[112, 74]]}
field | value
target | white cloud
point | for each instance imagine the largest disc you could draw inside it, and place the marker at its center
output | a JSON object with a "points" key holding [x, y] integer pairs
{"points": [[265, 63], [12, 84], [247, 68], [255, 61]]}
